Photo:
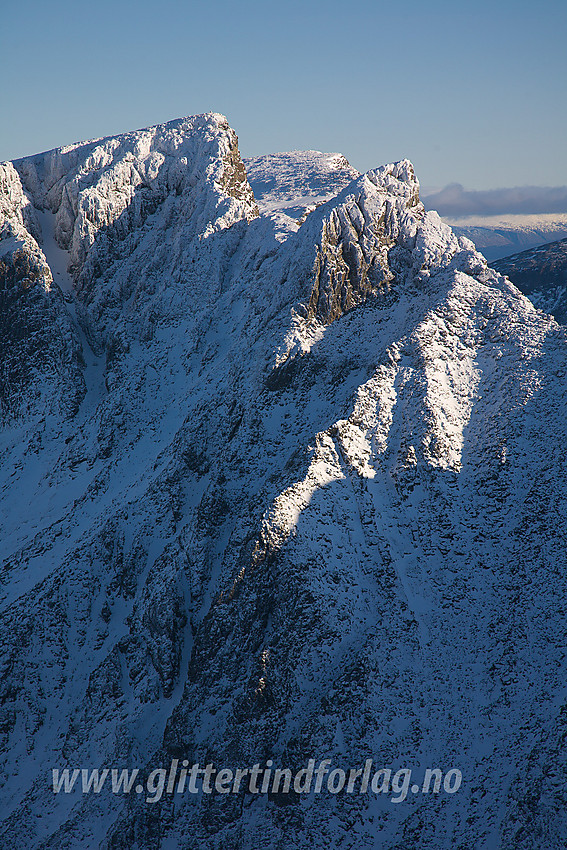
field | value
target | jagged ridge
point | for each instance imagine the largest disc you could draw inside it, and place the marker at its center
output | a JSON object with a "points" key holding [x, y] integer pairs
{"points": [[289, 518]]}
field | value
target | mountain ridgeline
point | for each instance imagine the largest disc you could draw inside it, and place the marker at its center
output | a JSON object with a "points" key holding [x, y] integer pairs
{"points": [[283, 478]]}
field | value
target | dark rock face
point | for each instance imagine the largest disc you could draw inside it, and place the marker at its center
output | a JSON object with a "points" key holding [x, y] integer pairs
{"points": [[310, 504], [541, 274], [351, 263], [234, 180]]}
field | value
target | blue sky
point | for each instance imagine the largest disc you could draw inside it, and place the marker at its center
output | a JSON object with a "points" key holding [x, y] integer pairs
{"points": [[473, 93]]}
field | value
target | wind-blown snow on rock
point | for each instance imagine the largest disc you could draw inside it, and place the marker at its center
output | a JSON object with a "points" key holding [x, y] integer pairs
{"points": [[307, 504]]}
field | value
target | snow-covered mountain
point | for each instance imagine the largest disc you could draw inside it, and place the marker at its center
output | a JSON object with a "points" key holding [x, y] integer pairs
{"points": [[501, 236], [298, 181], [283, 477], [541, 274]]}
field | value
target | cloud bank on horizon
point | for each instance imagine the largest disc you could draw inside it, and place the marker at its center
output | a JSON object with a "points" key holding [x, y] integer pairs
{"points": [[456, 201]]}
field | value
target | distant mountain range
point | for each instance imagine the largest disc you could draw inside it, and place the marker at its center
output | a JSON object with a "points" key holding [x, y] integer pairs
{"points": [[541, 274], [501, 236]]}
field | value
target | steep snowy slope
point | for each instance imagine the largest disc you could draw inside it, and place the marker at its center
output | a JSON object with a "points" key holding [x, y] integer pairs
{"points": [[36, 338], [308, 505]]}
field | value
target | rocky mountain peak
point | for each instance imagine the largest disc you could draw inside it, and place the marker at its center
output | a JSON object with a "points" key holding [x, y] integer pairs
{"points": [[278, 483]]}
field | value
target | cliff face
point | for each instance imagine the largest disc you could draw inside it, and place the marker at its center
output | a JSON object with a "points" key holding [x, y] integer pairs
{"points": [[39, 350], [300, 497]]}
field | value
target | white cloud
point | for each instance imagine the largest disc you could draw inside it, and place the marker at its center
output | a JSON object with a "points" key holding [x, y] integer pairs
{"points": [[454, 200]]}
